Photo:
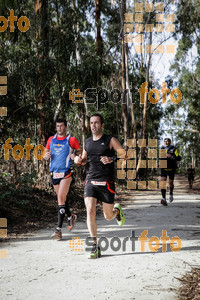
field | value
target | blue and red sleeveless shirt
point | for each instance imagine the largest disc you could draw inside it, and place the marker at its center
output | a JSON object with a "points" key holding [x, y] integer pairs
{"points": [[61, 150]]}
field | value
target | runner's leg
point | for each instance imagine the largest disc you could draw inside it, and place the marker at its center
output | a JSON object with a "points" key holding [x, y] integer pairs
{"points": [[90, 203], [163, 191], [62, 190], [67, 210], [190, 179], [171, 186], [109, 212]]}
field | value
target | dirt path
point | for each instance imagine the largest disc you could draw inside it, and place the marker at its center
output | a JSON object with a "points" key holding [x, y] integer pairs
{"points": [[40, 268]]}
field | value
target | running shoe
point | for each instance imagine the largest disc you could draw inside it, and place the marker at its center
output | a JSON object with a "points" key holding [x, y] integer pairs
{"points": [[164, 202], [120, 216], [171, 198], [57, 235], [95, 253], [71, 222]]}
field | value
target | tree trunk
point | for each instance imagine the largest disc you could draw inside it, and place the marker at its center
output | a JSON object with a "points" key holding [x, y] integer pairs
{"points": [[144, 125], [142, 155], [42, 51], [76, 33], [124, 101], [130, 100], [116, 109], [99, 40]]}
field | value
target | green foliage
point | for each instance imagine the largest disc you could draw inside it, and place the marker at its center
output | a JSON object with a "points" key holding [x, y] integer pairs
{"points": [[186, 69], [16, 189]]}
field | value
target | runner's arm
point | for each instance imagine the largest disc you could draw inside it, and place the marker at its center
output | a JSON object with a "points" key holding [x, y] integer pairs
{"points": [[84, 157], [78, 151], [177, 156], [81, 159], [47, 149], [114, 144], [74, 144], [47, 154]]}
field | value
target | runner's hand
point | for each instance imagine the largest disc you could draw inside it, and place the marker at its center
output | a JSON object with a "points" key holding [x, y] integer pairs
{"points": [[106, 160], [47, 154], [72, 156], [78, 159]]}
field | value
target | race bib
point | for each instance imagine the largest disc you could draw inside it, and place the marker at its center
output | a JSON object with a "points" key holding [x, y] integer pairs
{"points": [[98, 182], [58, 175]]}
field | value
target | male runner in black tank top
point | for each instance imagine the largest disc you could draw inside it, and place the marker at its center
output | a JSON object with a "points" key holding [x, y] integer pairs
{"points": [[190, 172], [172, 157], [99, 153]]}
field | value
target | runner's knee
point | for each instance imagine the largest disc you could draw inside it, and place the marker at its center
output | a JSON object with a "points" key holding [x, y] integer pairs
{"points": [[163, 178], [108, 216], [91, 211]]}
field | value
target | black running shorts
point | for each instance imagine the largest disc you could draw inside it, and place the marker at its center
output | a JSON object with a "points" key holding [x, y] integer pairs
{"points": [[165, 173], [56, 181], [104, 193]]}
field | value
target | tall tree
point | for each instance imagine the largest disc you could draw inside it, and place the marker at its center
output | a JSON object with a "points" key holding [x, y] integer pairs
{"points": [[186, 67], [42, 85], [124, 75], [99, 40]]}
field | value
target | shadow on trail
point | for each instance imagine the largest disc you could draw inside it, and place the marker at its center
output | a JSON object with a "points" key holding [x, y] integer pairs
{"points": [[196, 248], [179, 218]]}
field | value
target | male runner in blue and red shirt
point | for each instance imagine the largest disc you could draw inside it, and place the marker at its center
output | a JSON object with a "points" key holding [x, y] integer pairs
{"points": [[59, 148]]}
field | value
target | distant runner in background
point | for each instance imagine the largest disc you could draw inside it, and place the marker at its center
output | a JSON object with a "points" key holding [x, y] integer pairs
{"points": [[190, 172], [172, 158], [59, 148]]}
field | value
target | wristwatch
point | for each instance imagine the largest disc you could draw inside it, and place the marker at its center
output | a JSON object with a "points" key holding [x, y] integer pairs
{"points": [[114, 158]]}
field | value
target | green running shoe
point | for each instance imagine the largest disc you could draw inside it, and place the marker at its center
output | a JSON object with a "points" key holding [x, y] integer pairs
{"points": [[95, 253], [120, 217]]}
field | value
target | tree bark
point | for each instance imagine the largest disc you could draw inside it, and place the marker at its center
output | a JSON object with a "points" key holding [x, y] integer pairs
{"points": [[42, 51], [130, 100], [99, 40], [124, 101], [144, 122], [76, 33]]}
